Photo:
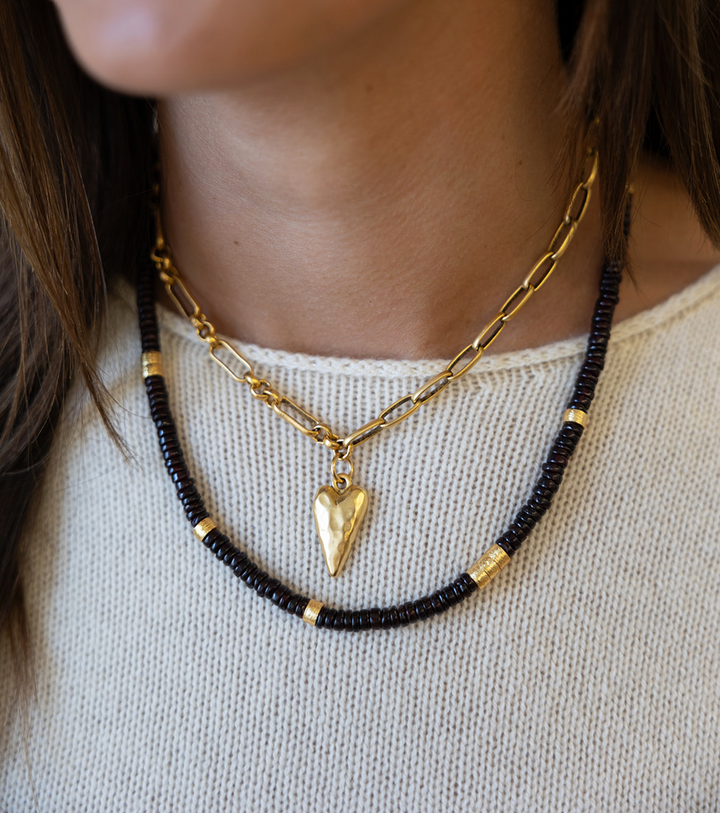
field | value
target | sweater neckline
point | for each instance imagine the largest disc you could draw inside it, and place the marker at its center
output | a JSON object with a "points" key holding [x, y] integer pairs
{"points": [[676, 306]]}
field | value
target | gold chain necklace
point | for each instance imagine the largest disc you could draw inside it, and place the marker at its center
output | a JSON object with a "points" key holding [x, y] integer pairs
{"points": [[340, 508]]}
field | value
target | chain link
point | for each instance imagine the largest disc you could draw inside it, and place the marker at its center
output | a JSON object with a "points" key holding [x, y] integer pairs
{"points": [[305, 422]]}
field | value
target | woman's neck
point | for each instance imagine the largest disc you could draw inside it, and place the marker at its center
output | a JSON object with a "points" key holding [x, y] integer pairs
{"points": [[385, 199]]}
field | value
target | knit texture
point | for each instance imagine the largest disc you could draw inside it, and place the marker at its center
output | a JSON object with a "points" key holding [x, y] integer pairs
{"points": [[585, 677]]}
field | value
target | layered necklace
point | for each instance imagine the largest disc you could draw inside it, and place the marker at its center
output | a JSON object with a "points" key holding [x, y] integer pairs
{"points": [[340, 507]]}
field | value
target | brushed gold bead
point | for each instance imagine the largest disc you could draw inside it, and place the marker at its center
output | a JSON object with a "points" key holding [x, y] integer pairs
{"points": [[488, 565], [310, 616], [203, 528], [576, 416], [152, 363]]}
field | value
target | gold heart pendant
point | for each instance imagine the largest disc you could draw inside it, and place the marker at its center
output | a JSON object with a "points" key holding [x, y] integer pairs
{"points": [[338, 515]]}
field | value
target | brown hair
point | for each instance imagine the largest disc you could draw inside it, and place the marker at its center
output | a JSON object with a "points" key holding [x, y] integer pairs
{"points": [[74, 179], [75, 173]]}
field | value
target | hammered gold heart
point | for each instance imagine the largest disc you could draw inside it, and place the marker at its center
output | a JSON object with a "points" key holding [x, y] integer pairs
{"points": [[338, 515]]}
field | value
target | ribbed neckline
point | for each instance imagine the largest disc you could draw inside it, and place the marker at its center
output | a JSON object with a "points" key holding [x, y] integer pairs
{"points": [[693, 296]]}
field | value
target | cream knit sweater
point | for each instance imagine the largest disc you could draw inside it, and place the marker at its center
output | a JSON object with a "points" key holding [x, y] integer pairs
{"points": [[585, 678]]}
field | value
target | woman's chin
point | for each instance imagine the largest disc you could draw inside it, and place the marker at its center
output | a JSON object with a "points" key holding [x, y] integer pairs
{"points": [[158, 47]]}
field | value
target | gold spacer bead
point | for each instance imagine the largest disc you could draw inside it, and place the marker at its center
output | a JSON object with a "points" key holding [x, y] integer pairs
{"points": [[488, 565], [576, 416], [152, 363], [312, 611], [203, 528]]}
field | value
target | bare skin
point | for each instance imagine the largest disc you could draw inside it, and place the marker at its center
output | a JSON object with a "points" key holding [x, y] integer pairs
{"points": [[383, 197]]}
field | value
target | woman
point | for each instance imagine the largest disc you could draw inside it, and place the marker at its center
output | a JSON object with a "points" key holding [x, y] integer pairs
{"points": [[348, 190]]}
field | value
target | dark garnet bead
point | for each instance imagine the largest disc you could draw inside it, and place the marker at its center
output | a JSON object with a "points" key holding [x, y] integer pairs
{"points": [[223, 550], [270, 587], [211, 536], [189, 496], [251, 574], [403, 617], [157, 400], [439, 597], [182, 479], [554, 472], [509, 541], [231, 557], [281, 597], [540, 504], [602, 324], [217, 542], [177, 469], [291, 605], [423, 608], [364, 619], [355, 621], [515, 535], [597, 343], [174, 461], [386, 618], [246, 571], [596, 357], [160, 422], [260, 582], [347, 620], [543, 493], [587, 379], [321, 620], [528, 515], [301, 606], [523, 525], [531, 512], [432, 605], [192, 504], [374, 616], [565, 445], [467, 580], [196, 515], [501, 543], [592, 368], [167, 433], [459, 592], [339, 620], [161, 411], [220, 546], [549, 484]]}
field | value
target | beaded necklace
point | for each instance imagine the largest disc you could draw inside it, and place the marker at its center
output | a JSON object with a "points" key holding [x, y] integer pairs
{"points": [[312, 611]]}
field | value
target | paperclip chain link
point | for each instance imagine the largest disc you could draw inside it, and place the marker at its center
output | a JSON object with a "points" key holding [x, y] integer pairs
{"points": [[240, 368]]}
